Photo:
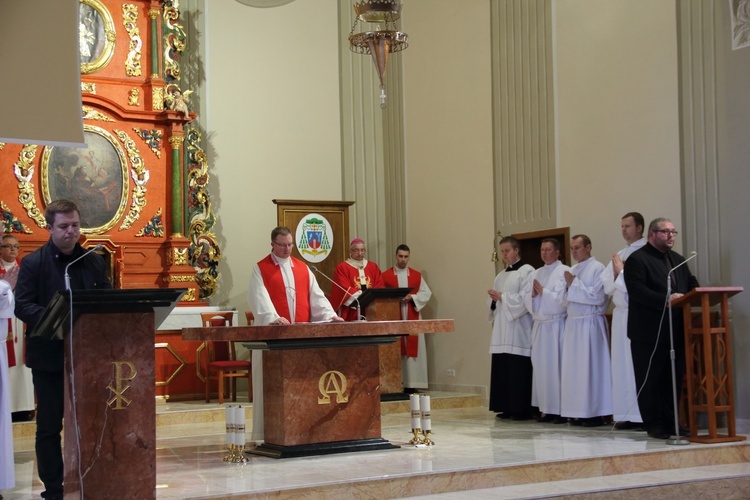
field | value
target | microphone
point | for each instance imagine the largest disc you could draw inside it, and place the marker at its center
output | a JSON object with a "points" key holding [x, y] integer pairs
{"points": [[693, 255], [67, 276], [359, 309]]}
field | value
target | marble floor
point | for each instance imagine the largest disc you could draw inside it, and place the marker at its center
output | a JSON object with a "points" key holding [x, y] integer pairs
{"points": [[475, 456]]}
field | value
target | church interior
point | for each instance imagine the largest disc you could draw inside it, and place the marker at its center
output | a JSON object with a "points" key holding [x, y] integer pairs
{"points": [[497, 118]]}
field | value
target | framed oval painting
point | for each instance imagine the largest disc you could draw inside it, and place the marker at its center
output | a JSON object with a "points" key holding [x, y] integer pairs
{"points": [[96, 36], [95, 178]]}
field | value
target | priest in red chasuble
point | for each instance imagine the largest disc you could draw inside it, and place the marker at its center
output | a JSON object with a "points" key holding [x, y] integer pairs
{"points": [[282, 291], [413, 351], [354, 275]]}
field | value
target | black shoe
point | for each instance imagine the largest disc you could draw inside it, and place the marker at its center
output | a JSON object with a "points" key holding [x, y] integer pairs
{"points": [[560, 420], [658, 434], [521, 417], [627, 426], [503, 416], [593, 422], [576, 422], [547, 417]]}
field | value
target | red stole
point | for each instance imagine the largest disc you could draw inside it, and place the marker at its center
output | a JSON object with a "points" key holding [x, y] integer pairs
{"points": [[9, 340], [273, 280], [410, 343]]}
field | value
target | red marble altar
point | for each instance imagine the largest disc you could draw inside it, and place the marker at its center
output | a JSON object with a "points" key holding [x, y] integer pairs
{"points": [[321, 381]]}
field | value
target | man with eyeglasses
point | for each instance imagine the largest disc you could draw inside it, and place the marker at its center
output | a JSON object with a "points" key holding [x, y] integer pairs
{"points": [[282, 291], [646, 272], [19, 375], [354, 275]]}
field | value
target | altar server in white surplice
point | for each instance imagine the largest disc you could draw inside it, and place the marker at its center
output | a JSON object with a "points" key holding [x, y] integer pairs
{"points": [[586, 382], [282, 291], [7, 475], [624, 393], [542, 297], [510, 344]]}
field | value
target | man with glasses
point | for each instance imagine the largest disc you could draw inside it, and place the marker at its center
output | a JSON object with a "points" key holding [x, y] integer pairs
{"points": [[354, 275], [646, 272], [282, 291]]}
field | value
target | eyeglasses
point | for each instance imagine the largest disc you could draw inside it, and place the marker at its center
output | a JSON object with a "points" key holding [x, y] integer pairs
{"points": [[283, 245], [667, 232], [16, 247]]}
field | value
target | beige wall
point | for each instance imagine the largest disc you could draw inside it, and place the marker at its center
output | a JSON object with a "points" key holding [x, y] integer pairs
{"points": [[617, 115], [449, 176], [273, 123]]}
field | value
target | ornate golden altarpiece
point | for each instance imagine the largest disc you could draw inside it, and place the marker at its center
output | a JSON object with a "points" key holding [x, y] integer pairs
{"points": [[141, 183]]}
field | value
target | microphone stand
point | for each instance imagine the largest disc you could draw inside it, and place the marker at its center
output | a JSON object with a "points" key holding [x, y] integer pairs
{"points": [[359, 308], [676, 439]]}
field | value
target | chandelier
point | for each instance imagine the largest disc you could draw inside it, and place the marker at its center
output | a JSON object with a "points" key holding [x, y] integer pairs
{"points": [[379, 43]]}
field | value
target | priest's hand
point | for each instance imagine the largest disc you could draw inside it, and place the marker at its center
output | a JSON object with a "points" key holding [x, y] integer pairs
{"points": [[569, 277], [337, 318], [281, 321], [536, 289], [617, 265]]}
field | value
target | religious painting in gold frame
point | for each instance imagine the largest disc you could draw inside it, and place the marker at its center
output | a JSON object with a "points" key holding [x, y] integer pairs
{"points": [[95, 178], [96, 36]]}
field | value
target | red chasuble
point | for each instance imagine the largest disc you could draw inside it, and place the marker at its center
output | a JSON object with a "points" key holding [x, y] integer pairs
{"points": [[274, 283], [410, 343], [348, 278]]}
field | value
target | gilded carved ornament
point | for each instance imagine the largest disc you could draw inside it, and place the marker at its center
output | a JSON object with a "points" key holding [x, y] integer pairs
{"points": [[151, 137], [24, 171], [10, 223], [180, 278], [157, 99], [140, 176], [154, 227], [177, 257], [133, 59], [88, 87], [133, 97], [90, 113], [189, 296]]}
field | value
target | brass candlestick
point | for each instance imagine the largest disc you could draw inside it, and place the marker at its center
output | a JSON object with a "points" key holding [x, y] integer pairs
{"points": [[228, 458], [427, 440], [416, 439]]}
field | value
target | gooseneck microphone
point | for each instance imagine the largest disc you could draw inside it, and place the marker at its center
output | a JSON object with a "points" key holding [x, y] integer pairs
{"points": [[359, 309], [67, 276], [676, 439]]}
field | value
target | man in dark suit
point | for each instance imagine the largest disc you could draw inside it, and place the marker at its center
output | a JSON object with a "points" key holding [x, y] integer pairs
{"points": [[646, 272]]}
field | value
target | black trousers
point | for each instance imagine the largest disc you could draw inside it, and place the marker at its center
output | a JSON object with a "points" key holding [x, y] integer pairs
{"points": [[50, 394], [510, 385], [655, 399]]}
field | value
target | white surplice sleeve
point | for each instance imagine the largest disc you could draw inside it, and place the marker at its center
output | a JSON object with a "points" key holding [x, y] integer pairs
{"points": [[259, 301]]}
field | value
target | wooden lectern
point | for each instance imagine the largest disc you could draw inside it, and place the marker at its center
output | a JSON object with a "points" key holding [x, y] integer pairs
{"points": [[110, 409], [709, 362], [384, 304], [320, 381]]}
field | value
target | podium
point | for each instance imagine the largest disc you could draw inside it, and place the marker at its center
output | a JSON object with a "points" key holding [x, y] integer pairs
{"points": [[110, 427], [709, 362], [320, 381], [384, 304]]}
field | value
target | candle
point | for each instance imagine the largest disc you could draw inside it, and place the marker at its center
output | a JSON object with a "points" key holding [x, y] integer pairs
{"points": [[240, 426], [415, 413], [230, 424], [424, 403]]}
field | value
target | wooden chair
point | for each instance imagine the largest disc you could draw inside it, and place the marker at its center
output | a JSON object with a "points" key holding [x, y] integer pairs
{"points": [[250, 317], [222, 364]]}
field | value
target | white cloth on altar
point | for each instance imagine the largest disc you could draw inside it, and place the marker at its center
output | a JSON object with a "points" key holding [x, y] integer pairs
{"points": [[259, 302], [7, 474], [624, 391], [548, 314], [414, 370], [586, 376]]}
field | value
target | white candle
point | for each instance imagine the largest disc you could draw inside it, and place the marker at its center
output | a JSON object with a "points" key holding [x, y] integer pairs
{"points": [[230, 424], [239, 426], [424, 403], [415, 413]]}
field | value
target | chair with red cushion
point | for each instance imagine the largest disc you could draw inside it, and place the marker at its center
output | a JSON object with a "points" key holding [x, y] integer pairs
{"points": [[222, 364]]}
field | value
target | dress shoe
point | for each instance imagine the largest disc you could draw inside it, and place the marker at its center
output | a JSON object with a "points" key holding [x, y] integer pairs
{"points": [[521, 417], [593, 422], [560, 420], [576, 422], [658, 434], [547, 417], [627, 426], [503, 416]]}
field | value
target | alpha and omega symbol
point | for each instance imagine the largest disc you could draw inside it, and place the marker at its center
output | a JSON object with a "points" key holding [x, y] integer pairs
{"points": [[332, 382], [125, 371]]}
